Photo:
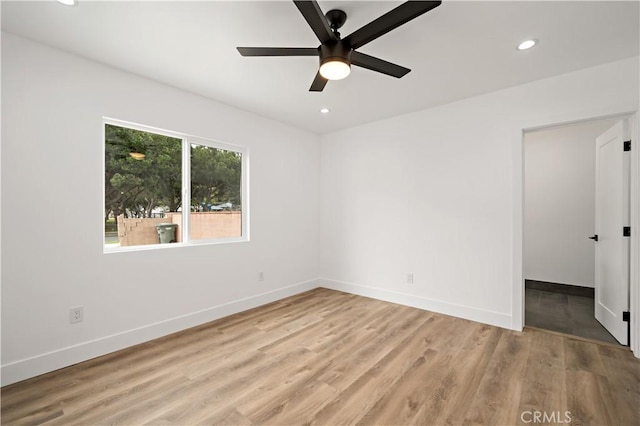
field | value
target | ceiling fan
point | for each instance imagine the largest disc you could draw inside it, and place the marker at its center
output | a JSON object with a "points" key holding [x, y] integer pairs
{"points": [[338, 54]]}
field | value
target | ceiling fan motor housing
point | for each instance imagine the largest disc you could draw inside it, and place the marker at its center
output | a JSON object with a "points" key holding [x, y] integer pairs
{"points": [[335, 52]]}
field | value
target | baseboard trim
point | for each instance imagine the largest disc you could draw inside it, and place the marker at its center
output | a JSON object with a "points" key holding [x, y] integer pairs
{"points": [[461, 311], [34, 366], [44, 363]]}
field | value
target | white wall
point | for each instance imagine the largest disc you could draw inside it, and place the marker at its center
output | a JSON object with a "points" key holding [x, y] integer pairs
{"points": [[52, 189], [438, 193], [559, 208]]}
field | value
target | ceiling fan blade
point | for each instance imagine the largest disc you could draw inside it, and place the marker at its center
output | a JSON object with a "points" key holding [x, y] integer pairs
{"points": [[278, 51], [389, 21], [379, 65], [318, 83], [316, 20]]}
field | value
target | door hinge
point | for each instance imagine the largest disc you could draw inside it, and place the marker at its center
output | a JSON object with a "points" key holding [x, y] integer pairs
{"points": [[626, 231], [626, 316], [627, 145]]}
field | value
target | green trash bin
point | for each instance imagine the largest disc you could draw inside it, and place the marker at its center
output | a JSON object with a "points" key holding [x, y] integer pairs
{"points": [[166, 232]]}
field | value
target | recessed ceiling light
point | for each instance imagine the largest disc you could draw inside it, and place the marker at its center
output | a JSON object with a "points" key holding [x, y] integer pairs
{"points": [[324, 110], [68, 2], [527, 44]]}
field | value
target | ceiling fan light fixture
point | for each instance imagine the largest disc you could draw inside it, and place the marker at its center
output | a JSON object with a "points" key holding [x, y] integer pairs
{"points": [[335, 61], [68, 2], [335, 69]]}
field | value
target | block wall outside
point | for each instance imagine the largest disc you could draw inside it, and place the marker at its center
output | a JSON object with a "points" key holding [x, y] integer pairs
{"points": [[204, 225], [137, 231]]}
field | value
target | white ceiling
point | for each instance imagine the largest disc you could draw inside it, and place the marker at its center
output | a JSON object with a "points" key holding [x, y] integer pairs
{"points": [[458, 50]]}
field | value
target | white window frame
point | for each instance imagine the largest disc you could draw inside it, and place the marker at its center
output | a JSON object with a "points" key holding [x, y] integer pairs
{"points": [[187, 141]]}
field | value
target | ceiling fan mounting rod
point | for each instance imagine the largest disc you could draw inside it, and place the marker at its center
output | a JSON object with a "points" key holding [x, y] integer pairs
{"points": [[336, 19]]}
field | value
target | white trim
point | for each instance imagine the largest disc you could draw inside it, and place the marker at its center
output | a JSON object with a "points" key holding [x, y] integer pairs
{"points": [[60, 358], [461, 311], [186, 192], [245, 231], [174, 134], [517, 233], [634, 243], [618, 111]]}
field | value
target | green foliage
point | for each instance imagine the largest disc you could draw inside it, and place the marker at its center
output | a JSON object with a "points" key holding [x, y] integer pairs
{"points": [[136, 187], [215, 177], [110, 225]]}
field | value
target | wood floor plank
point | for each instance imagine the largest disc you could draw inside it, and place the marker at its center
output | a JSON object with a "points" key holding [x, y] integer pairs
{"points": [[346, 368], [90, 392], [542, 391], [498, 396], [624, 374], [364, 393], [402, 404], [333, 340], [323, 331], [465, 375], [230, 418], [120, 402], [226, 391], [336, 359], [588, 399], [583, 356], [201, 393], [329, 358], [119, 372], [36, 416], [294, 404]]}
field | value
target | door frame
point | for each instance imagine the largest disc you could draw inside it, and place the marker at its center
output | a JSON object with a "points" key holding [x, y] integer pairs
{"points": [[520, 128]]}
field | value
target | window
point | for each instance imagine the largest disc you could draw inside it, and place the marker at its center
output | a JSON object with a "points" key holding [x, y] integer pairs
{"points": [[150, 175]]}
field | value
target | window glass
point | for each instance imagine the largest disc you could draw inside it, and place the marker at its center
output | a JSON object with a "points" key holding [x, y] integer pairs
{"points": [[216, 193], [143, 186]]}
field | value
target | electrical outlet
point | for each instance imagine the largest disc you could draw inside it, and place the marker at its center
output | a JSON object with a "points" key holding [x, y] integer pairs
{"points": [[260, 276], [76, 315], [409, 278]]}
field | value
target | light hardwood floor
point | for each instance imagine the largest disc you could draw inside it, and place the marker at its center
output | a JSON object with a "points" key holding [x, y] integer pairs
{"points": [[330, 358]]}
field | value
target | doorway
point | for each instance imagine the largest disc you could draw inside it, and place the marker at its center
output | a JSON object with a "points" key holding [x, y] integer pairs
{"points": [[559, 250]]}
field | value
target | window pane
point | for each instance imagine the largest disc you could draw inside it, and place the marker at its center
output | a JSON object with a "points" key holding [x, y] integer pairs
{"points": [[216, 182], [143, 187]]}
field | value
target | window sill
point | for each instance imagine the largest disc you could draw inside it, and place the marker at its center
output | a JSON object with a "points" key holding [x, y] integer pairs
{"points": [[108, 249]]}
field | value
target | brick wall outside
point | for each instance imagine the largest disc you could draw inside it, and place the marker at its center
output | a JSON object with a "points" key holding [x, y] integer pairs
{"points": [[136, 232], [204, 225]]}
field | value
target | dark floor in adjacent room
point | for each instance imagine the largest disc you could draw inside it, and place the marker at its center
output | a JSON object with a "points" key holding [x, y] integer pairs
{"points": [[565, 313]]}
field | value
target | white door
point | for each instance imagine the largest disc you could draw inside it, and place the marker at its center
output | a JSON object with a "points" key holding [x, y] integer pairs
{"points": [[612, 248]]}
